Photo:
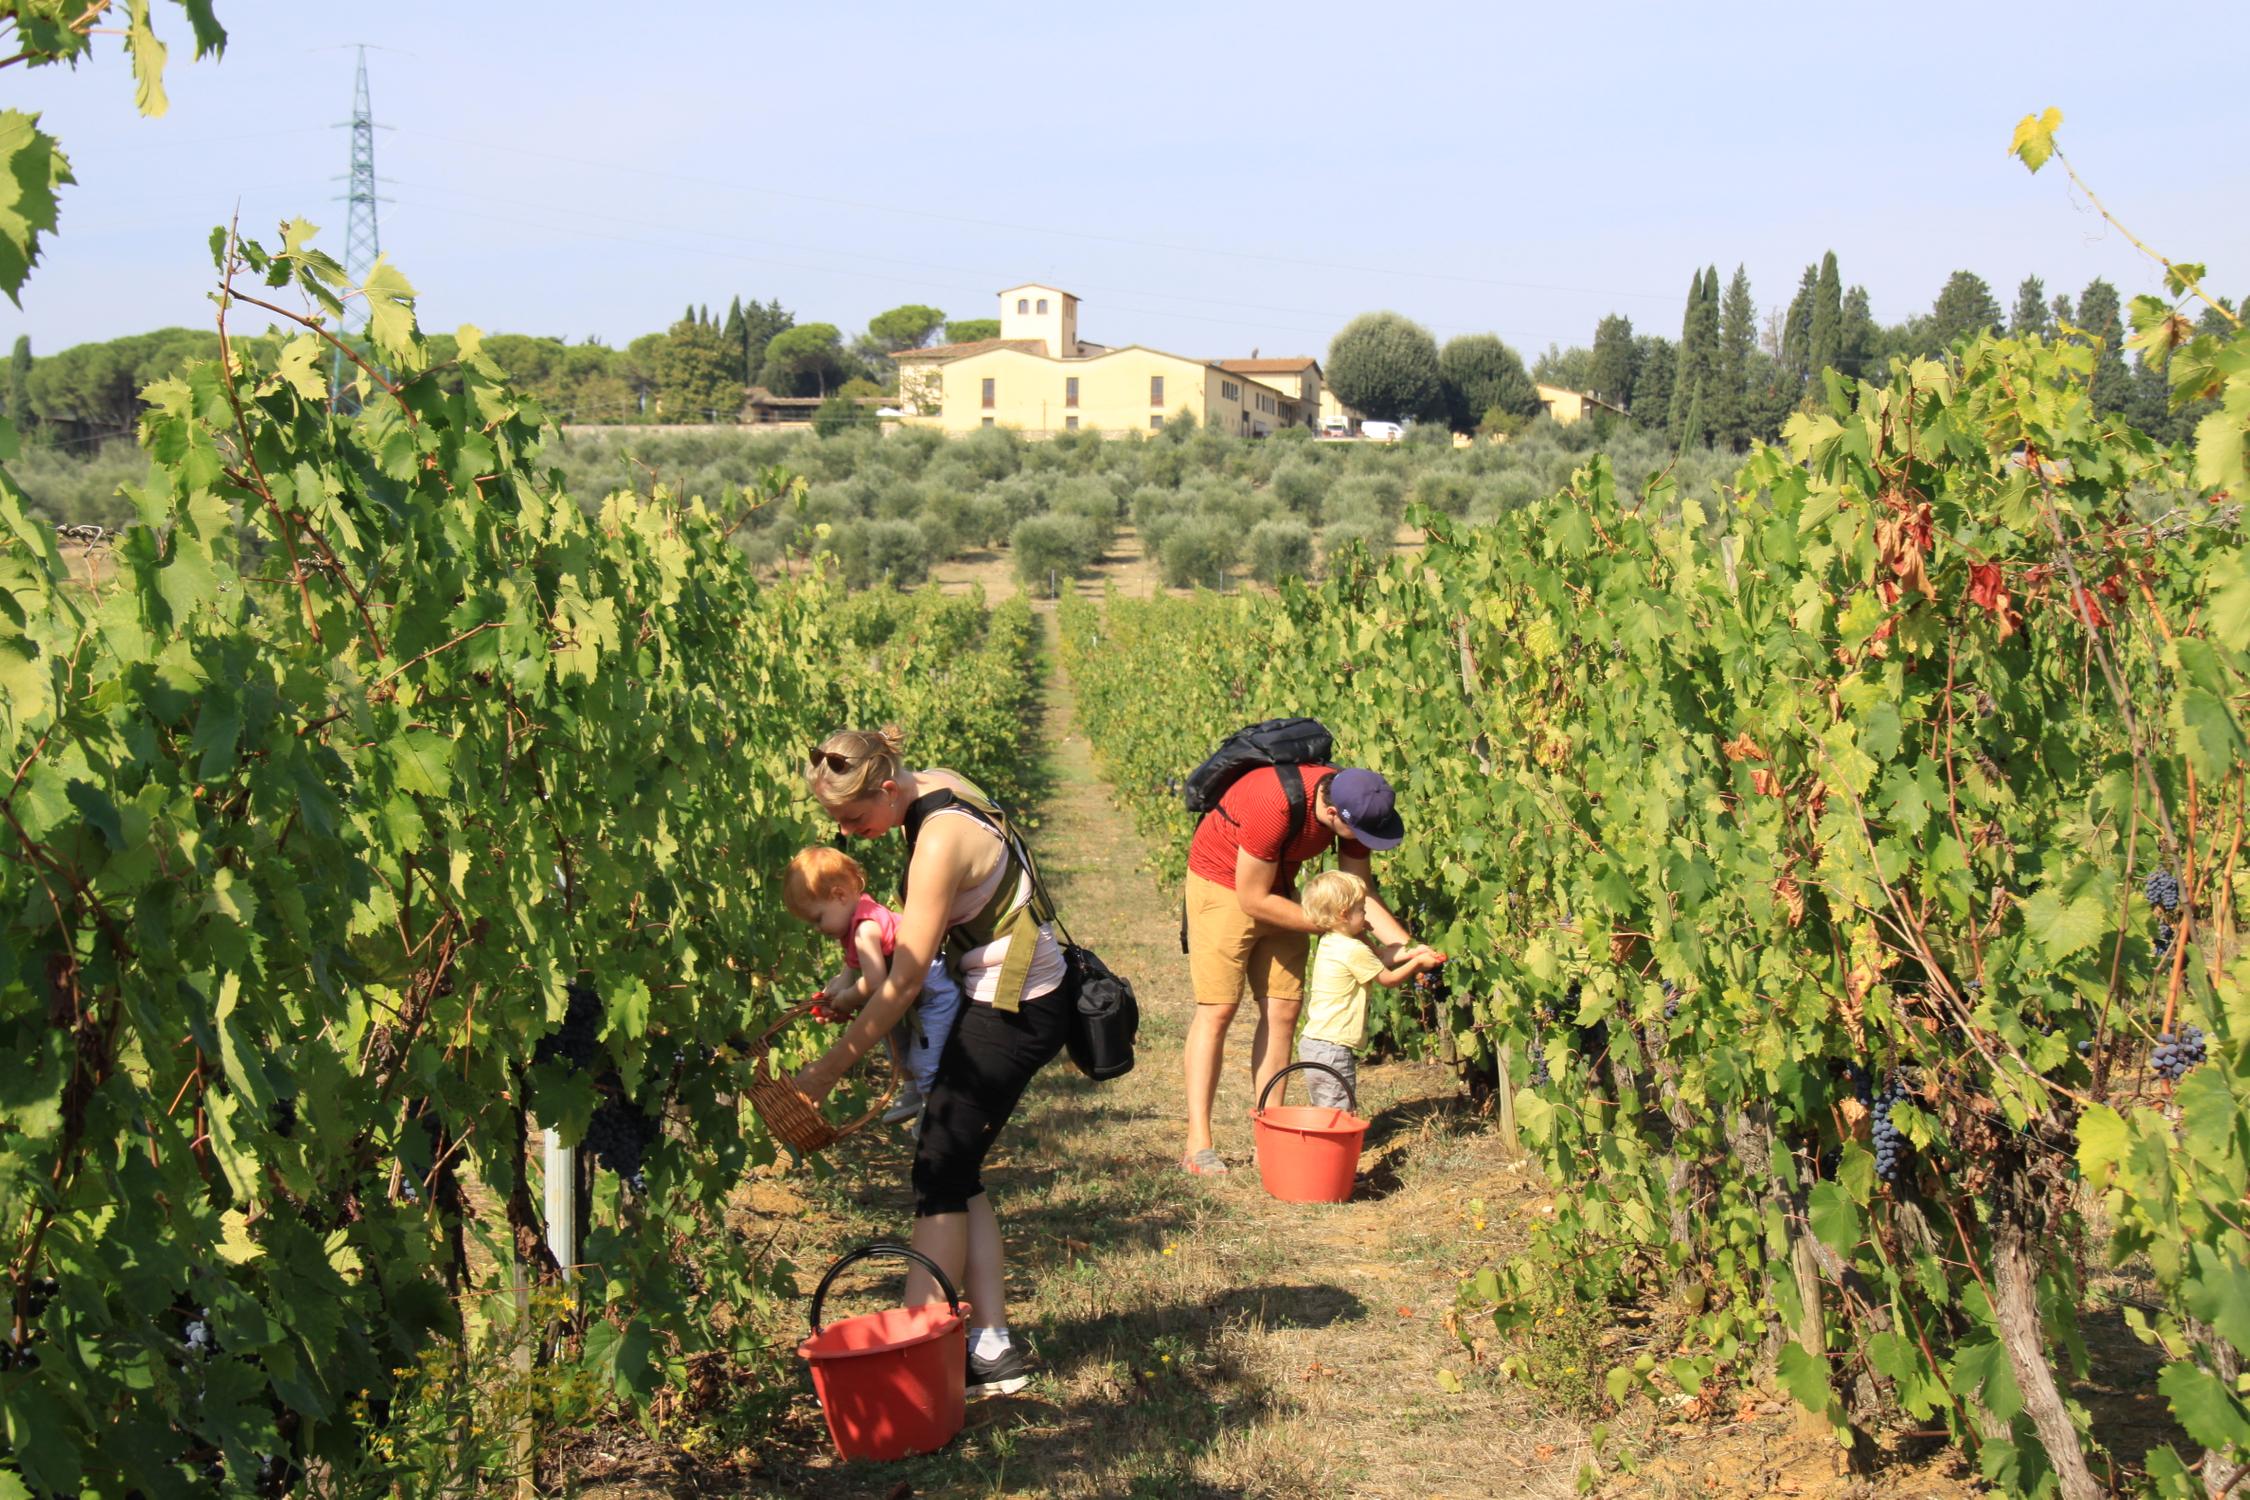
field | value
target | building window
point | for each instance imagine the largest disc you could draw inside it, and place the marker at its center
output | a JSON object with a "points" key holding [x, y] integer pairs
{"points": [[1070, 423], [1228, 390], [1155, 422], [988, 383], [1070, 390], [1042, 306], [1023, 304], [988, 421], [1156, 390]]}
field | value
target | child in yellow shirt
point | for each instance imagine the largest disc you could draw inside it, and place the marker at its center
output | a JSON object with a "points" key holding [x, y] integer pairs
{"points": [[1336, 983]]}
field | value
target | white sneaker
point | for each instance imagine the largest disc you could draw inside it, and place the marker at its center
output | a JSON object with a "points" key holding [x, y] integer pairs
{"points": [[906, 1106]]}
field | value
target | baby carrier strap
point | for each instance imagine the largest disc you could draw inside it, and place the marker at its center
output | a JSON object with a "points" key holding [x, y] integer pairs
{"points": [[1001, 916]]}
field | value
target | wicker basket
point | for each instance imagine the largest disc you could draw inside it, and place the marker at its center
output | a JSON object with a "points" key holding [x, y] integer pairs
{"points": [[789, 1115]]}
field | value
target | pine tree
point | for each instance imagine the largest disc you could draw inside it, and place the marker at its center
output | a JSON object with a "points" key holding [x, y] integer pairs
{"points": [[2098, 315], [1827, 331], [2062, 311], [1965, 307], [2030, 316], [1733, 419], [19, 385]]}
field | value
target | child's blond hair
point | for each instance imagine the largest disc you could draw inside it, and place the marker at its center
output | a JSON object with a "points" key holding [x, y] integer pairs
{"points": [[1330, 894], [819, 874]]}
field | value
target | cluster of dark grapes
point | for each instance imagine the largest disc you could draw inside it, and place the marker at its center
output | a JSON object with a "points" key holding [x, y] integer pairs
{"points": [[2174, 1055], [36, 1296], [619, 1136], [1671, 1000], [1891, 1147], [284, 1117], [277, 1474], [1540, 1077], [578, 1040], [2163, 944], [2163, 891]]}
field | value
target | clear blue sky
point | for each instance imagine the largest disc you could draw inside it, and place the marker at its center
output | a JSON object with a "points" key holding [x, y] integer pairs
{"points": [[1209, 179]]}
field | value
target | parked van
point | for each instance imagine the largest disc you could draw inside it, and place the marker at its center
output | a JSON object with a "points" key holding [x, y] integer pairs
{"points": [[1381, 432], [1336, 427]]}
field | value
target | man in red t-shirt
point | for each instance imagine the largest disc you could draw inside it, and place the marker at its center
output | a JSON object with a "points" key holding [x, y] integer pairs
{"points": [[1244, 924]]}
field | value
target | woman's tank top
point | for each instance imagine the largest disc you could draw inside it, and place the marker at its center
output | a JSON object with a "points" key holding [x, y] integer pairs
{"points": [[980, 967]]}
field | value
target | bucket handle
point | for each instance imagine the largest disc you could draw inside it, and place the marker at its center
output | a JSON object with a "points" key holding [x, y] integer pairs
{"points": [[1349, 1092], [893, 1252]]}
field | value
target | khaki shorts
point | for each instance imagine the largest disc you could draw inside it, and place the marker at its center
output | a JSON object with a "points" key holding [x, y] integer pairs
{"points": [[1226, 947]]}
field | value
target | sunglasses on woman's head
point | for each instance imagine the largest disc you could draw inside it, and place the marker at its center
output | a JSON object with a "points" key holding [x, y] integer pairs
{"points": [[831, 759]]}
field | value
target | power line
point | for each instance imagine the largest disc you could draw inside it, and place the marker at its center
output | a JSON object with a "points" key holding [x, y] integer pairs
{"points": [[1041, 229]]}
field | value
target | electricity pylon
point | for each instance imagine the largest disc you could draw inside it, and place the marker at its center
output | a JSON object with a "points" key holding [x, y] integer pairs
{"points": [[363, 241]]}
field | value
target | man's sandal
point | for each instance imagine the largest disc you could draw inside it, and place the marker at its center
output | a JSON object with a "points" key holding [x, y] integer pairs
{"points": [[1204, 1163]]}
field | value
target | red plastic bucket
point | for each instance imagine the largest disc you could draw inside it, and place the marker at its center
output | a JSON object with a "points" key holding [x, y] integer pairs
{"points": [[890, 1383], [1307, 1154]]}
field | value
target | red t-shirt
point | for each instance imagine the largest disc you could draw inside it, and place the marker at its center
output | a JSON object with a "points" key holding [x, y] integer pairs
{"points": [[1254, 815]]}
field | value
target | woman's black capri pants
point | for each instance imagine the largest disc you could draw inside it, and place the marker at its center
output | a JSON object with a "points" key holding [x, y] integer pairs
{"points": [[981, 1074]]}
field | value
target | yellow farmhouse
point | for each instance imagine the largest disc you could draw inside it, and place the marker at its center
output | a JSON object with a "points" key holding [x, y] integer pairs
{"points": [[1041, 378]]}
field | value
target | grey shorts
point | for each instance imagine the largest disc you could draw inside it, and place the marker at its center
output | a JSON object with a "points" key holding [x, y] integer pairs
{"points": [[1326, 1092]]}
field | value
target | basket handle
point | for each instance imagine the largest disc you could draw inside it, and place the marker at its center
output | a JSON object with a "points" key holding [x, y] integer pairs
{"points": [[887, 1251], [764, 1044], [1349, 1092]]}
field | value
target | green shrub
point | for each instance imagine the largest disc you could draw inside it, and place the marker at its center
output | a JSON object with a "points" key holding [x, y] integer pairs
{"points": [[1299, 486], [1057, 546], [1372, 539], [1358, 497], [1281, 549], [1089, 498], [1200, 551], [1444, 490], [895, 551]]}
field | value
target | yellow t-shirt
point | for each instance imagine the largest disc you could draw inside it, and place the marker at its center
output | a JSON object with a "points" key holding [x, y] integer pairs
{"points": [[1336, 989]]}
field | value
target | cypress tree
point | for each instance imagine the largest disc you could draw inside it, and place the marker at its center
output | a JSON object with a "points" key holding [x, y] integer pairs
{"points": [[19, 384], [1732, 417], [1826, 339], [1698, 365], [2030, 315], [2098, 315], [1796, 329], [1683, 364], [734, 335], [1613, 359], [1654, 361], [2063, 313], [688, 317], [1855, 343]]}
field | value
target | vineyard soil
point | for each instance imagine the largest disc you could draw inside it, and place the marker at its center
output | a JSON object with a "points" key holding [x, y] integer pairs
{"points": [[1199, 1338]]}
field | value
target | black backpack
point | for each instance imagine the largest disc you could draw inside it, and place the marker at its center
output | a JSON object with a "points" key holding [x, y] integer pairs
{"points": [[1284, 744], [1287, 743]]}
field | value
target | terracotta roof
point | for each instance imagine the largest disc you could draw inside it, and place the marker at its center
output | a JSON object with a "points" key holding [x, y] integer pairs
{"points": [[943, 352], [1269, 366], [758, 395]]}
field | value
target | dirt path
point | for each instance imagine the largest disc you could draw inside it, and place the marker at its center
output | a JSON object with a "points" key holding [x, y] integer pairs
{"points": [[1197, 1337]]}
